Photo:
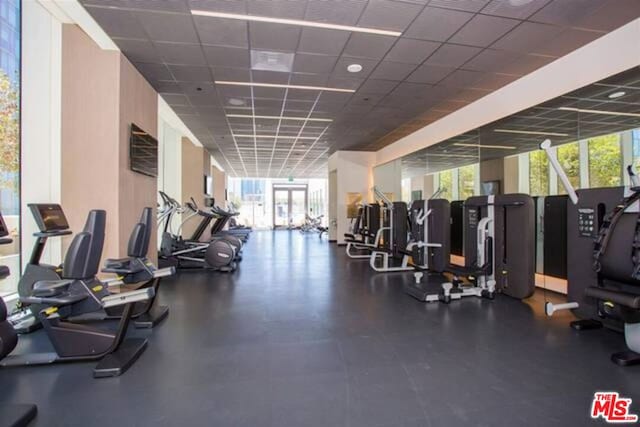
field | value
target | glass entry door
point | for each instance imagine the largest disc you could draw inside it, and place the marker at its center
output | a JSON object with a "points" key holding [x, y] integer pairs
{"points": [[289, 206], [280, 208], [297, 207]]}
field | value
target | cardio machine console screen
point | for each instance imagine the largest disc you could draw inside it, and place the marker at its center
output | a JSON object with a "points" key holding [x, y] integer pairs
{"points": [[49, 217]]}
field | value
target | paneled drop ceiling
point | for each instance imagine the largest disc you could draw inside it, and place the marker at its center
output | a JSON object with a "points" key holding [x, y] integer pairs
{"points": [[448, 53], [606, 107]]}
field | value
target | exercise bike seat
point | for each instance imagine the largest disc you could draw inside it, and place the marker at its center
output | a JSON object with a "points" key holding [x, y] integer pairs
{"points": [[49, 288], [121, 266]]}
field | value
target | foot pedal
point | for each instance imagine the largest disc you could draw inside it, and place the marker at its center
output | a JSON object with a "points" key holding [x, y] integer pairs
{"points": [[626, 358], [585, 325], [116, 363]]}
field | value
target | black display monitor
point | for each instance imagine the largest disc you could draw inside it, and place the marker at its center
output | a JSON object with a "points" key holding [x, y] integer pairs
{"points": [[49, 217], [143, 152]]}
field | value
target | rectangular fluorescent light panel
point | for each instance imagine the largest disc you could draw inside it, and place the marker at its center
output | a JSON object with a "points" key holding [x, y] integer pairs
{"points": [[497, 147], [530, 132], [297, 22], [302, 119], [243, 135], [328, 89], [608, 113]]}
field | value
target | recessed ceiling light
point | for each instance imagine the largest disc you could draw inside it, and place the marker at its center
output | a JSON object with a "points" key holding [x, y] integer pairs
{"points": [[321, 88], [497, 147], [236, 101], [297, 22], [617, 94], [608, 113], [530, 132], [251, 116], [354, 68]]}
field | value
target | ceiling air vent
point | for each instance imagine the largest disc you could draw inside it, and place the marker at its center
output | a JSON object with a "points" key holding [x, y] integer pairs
{"points": [[271, 61]]}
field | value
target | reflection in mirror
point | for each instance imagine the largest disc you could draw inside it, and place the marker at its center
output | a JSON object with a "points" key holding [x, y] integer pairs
{"points": [[594, 133]]}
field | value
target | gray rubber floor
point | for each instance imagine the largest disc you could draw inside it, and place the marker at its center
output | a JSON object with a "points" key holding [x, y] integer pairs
{"points": [[302, 336]]}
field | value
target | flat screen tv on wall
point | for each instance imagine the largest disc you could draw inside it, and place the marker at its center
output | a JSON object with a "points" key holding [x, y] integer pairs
{"points": [[143, 152]]}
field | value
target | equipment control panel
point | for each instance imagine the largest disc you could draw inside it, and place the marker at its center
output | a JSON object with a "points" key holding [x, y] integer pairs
{"points": [[587, 226]]}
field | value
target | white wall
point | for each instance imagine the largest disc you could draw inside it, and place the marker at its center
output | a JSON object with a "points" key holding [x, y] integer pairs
{"points": [[511, 174], [388, 178], [354, 175], [41, 121], [417, 184]]}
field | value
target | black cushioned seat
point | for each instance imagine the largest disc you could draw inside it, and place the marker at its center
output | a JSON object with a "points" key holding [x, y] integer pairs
{"points": [[4, 272], [459, 270]]}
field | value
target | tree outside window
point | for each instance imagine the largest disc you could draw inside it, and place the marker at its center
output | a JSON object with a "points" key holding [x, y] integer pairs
{"points": [[605, 161], [538, 173], [569, 159], [446, 182], [466, 182]]}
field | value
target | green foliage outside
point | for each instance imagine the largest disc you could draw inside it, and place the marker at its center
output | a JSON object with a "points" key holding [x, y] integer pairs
{"points": [[446, 182], [9, 134], [605, 161], [466, 177], [569, 158], [538, 173]]}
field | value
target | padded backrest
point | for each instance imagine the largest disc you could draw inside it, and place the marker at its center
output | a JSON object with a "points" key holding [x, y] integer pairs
{"points": [[8, 336], [82, 260], [141, 235]]}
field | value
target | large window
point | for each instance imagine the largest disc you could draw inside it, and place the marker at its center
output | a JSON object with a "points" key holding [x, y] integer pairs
{"points": [[446, 184], [466, 181], [605, 161], [253, 198], [406, 190], [10, 137], [635, 144], [538, 173], [569, 159]]}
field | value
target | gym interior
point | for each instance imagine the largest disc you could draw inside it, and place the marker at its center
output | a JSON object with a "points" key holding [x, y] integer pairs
{"points": [[319, 212]]}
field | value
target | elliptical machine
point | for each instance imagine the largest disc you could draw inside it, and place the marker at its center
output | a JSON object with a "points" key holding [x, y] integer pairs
{"points": [[186, 254]]}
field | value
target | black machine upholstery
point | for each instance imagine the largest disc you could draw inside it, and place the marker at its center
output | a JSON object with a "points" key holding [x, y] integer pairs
{"points": [[141, 235], [8, 336], [82, 260]]}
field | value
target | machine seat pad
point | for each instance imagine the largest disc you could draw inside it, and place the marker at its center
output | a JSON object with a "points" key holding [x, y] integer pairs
{"points": [[623, 298], [349, 236], [405, 252], [4, 271], [47, 288], [354, 241], [118, 262], [382, 250], [459, 270]]}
